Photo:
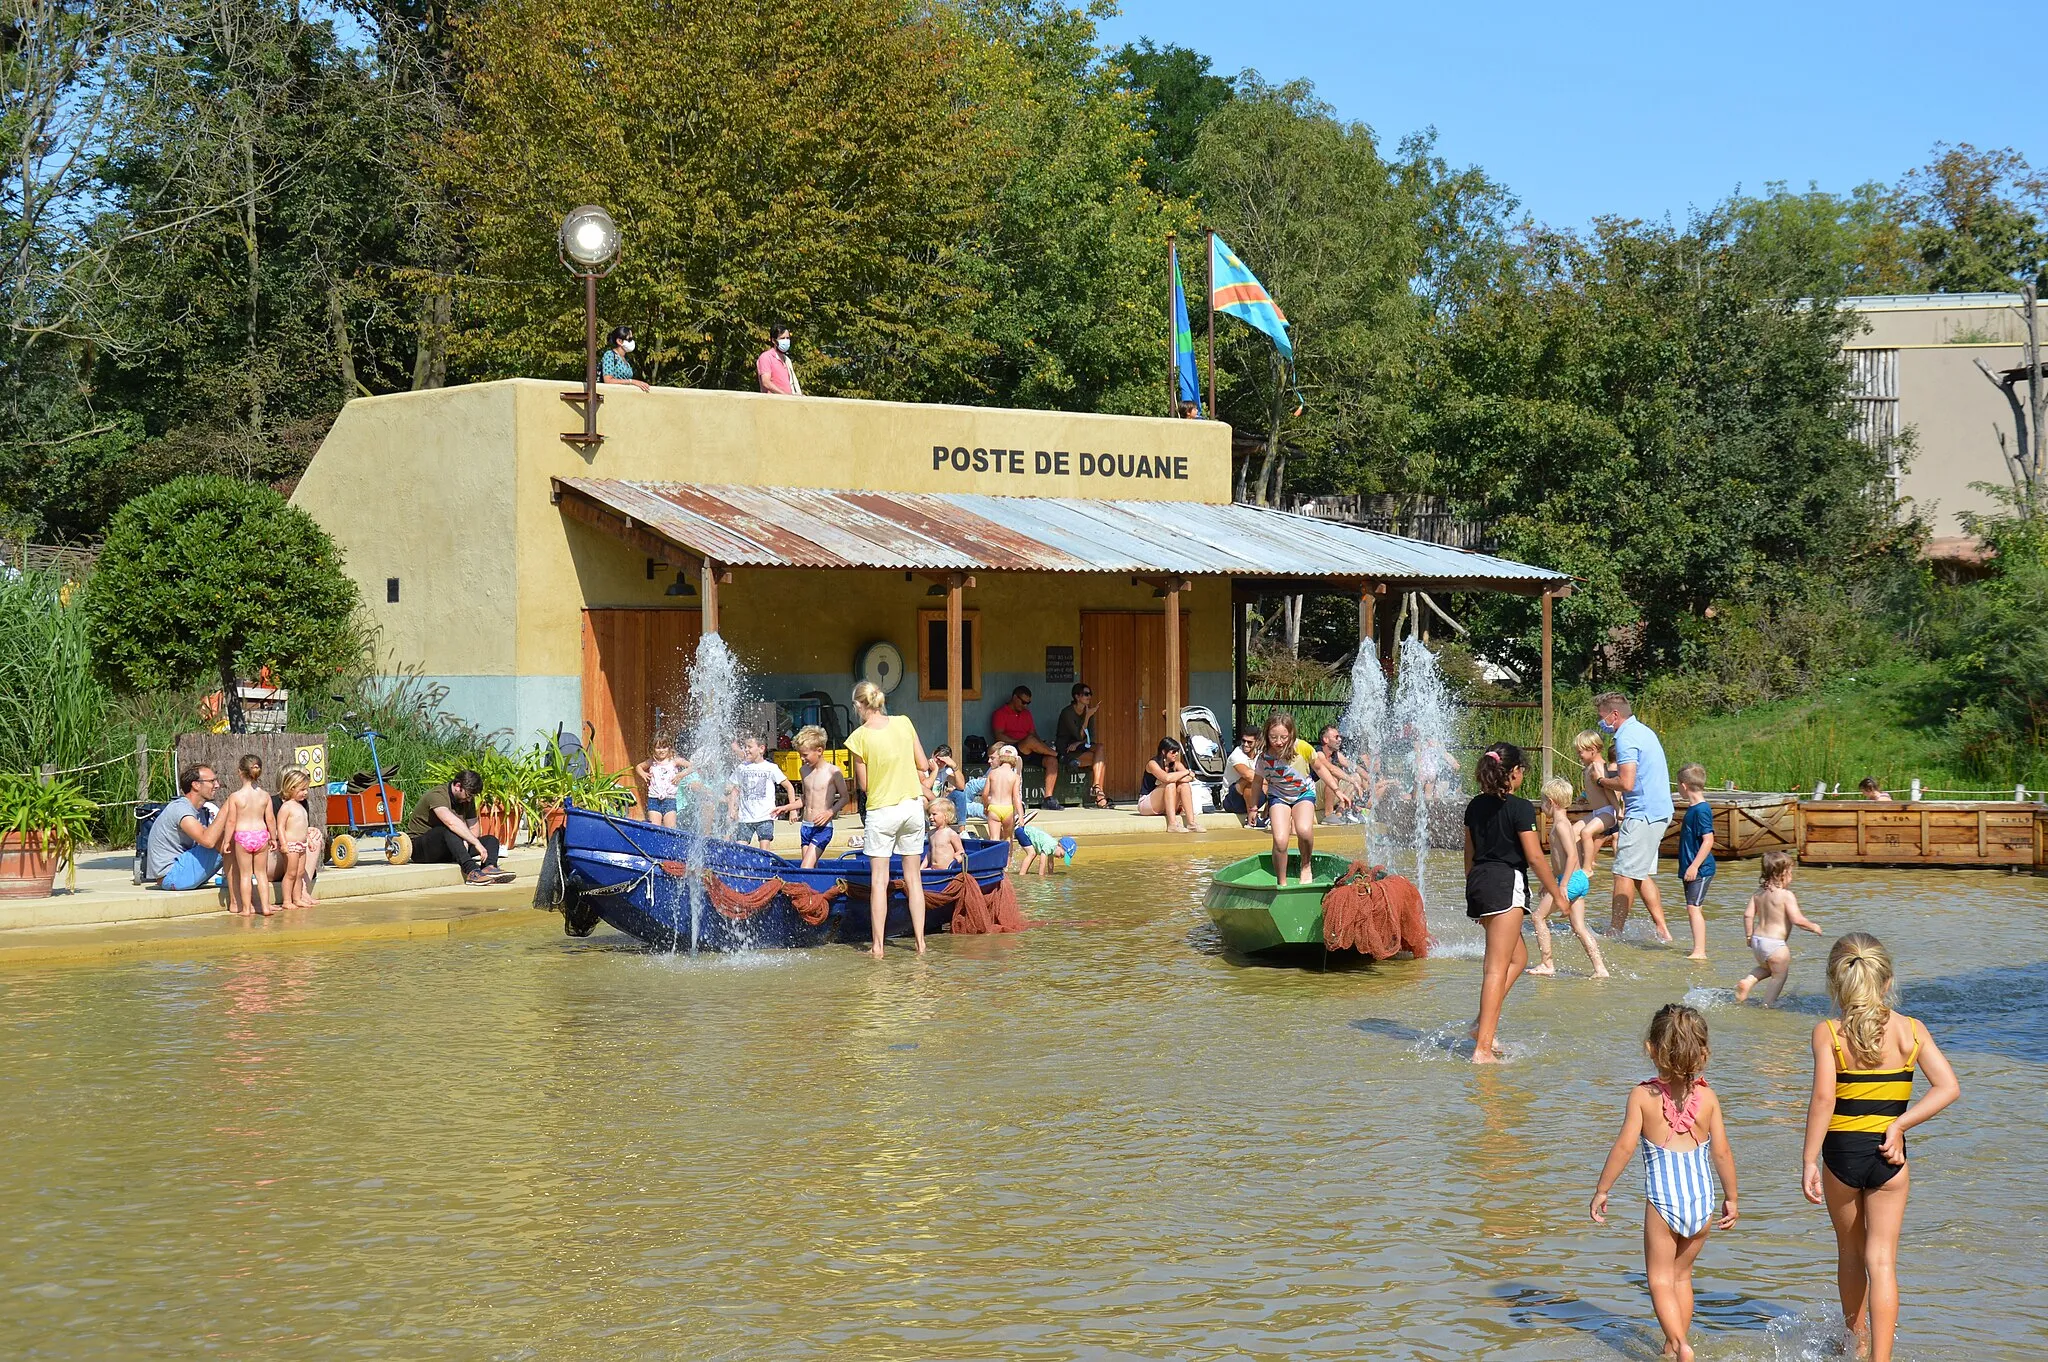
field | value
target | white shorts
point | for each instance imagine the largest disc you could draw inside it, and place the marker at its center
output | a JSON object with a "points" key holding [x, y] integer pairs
{"points": [[895, 831]]}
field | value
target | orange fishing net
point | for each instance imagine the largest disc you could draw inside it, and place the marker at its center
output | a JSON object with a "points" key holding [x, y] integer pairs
{"points": [[1374, 913], [811, 905], [976, 911]]}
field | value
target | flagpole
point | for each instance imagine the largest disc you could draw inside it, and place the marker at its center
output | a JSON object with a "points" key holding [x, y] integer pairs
{"points": [[1211, 236], [1172, 329]]}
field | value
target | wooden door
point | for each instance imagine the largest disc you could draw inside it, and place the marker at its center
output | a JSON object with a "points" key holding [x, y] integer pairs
{"points": [[634, 662], [1123, 659]]}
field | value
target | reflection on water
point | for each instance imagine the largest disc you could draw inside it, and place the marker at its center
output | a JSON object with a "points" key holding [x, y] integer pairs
{"points": [[1098, 1139]]}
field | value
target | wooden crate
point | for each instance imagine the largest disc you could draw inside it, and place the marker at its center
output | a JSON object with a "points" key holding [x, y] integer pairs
{"points": [[1959, 833]]}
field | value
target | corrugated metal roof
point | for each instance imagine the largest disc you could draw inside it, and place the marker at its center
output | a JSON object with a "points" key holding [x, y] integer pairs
{"points": [[805, 527]]}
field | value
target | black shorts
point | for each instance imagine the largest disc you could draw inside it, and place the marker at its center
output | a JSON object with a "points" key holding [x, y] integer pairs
{"points": [[1696, 890], [1851, 1155], [1494, 887]]}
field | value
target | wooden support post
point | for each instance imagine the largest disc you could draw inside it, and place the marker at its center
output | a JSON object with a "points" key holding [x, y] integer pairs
{"points": [[142, 769], [707, 591], [1549, 719], [955, 725], [1173, 695], [1240, 665]]}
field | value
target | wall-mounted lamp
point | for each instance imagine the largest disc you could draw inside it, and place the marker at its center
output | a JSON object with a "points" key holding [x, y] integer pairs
{"points": [[681, 586]]}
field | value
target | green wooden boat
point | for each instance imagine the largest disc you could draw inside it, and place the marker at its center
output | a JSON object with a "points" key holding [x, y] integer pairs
{"points": [[1253, 916]]}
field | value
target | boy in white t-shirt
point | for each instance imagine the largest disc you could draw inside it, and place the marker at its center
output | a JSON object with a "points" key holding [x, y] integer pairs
{"points": [[750, 798], [1238, 769]]}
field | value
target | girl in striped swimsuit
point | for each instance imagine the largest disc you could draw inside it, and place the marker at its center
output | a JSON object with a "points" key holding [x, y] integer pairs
{"points": [[1665, 1117], [1856, 1127]]}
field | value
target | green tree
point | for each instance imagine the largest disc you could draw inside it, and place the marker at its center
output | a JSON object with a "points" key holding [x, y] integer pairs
{"points": [[1072, 261], [210, 576], [1824, 245], [1352, 246], [1644, 408], [819, 166], [1976, 221], [1179, 93]]}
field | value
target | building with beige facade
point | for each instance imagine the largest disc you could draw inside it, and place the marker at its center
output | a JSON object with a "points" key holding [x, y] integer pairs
{"points": [[547, 584], [1916, 363]]}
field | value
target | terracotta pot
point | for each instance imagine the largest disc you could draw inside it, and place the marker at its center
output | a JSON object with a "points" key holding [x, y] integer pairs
{"points": [[502, 824], [26, 872], [557, 817]]}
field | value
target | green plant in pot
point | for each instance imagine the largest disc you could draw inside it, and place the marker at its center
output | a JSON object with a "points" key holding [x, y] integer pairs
{"points": [[41, 826]]}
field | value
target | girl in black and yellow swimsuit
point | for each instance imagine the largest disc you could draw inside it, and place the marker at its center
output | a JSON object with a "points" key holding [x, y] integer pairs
{"points": [[1856, 1126]]}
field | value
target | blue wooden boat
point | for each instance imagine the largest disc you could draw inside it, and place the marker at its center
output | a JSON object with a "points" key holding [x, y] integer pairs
{"points": [[628, 874]]}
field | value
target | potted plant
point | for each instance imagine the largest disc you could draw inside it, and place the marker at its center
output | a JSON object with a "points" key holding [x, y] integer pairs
{"points": [[40, 826]]}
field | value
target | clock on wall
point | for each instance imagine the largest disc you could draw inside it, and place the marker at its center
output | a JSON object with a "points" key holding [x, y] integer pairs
{"points": [[882, 663]]}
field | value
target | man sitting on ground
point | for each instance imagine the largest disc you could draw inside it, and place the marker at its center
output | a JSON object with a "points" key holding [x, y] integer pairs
{"points": [[440, 825], [184, 841], [1012, 723], [1074, 738]]}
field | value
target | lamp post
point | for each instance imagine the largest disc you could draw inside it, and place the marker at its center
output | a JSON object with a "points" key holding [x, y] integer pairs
{"points": [[589, 247]]}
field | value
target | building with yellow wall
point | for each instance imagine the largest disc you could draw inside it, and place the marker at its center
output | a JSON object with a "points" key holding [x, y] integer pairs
{"points": [[549, 585]]}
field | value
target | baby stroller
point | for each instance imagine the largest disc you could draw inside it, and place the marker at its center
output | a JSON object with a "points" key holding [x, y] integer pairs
{"points": [[1207, 752]]}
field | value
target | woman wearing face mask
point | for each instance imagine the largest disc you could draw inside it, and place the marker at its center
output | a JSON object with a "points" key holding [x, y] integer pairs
{"points": [[777, 375], [613, 366]]}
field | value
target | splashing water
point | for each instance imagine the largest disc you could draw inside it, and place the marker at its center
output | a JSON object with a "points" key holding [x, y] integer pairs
{"points": [[1421, 728], [717, 690], [1364, 728]]}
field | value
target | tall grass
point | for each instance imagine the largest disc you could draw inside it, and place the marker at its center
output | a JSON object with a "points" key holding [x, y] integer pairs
{"points": [[52, 709]]}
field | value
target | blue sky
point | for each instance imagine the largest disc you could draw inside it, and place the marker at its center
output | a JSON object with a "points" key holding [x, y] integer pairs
{"points": [[1643, 109]]}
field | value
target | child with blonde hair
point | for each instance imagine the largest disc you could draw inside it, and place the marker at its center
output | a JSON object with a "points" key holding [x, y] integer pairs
{"points": [[296, 858], [943, 848], [1004, 791], [251, 828], [1564, 863], [1664, 1119], [1603, 814], [1856, 1128], [823, 793], [1767, 924]]}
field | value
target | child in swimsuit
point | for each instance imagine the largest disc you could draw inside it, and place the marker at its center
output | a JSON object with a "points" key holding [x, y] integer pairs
{"points": [[296, 858], [1003, 792], [1856, 1127], [1602, 815], [1564, 863], [1666, 1117], [823, 790], [1767, 922], [251, 828], [1288, 795], [943, 849], [662, 774], [1040, 848]]}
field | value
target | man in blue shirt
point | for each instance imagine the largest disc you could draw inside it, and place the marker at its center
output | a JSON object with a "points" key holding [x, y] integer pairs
{"points": [[1642, 778]]}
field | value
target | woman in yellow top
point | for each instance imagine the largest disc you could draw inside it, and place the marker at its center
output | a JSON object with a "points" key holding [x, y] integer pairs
{"points": [[888, 761], [1856, 1131]]}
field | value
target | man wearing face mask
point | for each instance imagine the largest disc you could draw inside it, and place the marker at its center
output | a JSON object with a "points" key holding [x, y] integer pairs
{"points": [[777, 374], [613, 366], [1642, 779]]}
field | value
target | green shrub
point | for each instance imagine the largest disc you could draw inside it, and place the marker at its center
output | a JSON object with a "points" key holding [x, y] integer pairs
{"points": [[209, 578]]}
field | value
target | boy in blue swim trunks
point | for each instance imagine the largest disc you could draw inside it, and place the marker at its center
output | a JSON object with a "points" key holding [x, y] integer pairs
{"points": [[824, 793]]}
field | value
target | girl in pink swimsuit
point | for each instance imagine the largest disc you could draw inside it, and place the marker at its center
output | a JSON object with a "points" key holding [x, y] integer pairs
{"points": [[251, 829]]}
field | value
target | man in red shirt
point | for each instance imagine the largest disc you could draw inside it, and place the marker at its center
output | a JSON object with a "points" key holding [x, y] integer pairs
{"points": [[1012, 723]]}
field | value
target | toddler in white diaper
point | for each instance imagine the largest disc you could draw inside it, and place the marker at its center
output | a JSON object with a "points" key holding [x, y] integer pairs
{"points": [[1768, 921]]}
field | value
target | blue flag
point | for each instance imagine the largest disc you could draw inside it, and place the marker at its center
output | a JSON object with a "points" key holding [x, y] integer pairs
{"points": [[1184, 339], [1235, 291]]}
